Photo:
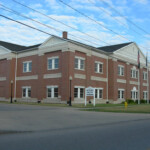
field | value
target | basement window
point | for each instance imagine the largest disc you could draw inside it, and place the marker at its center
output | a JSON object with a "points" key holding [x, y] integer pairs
{"points": [[26, 92], [120, 93], [78, 92], [52, 91], [98, 93]]}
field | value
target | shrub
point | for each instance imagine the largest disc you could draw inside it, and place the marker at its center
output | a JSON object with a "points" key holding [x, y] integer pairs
{"points": [[142, 101], [130, 101]]}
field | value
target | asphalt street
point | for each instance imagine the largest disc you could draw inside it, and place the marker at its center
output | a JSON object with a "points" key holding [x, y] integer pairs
{"points": [[26, 127]]}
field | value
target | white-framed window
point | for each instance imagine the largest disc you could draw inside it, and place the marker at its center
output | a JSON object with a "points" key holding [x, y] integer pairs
{"points": [[79, 63], [145, 95], [120, 70], [27, 66], [26, 91], [78, 92], [134, 95], [98, 93], [134, 73], [144, 75], [98, 67], [52, 91], [120, 93], [53, 63]]}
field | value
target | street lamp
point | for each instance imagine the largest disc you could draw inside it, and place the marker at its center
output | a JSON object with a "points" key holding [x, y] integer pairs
{"points": [[70, 79], [11, 90]]}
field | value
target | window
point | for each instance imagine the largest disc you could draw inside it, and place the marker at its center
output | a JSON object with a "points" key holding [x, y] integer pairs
{"points": [[145, 95], [144, 75], [52, 91], [53, 63], [121, 93], [78, 92], [134, 73], [134, 95], [79, 63], [120, 70], [26, 92], [27, 66], [98, 93], [98, 67]]}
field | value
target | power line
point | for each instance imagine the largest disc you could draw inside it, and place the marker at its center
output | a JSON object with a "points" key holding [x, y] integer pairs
{"points": [[125, 17], [44, 25], [96, 21], [65, 24], [59, 21], [35, 28], [117, 20], [25, 25]]}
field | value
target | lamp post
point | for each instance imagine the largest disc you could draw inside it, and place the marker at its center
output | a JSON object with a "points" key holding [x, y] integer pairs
{"points": [[70, 79], [11, 90]]}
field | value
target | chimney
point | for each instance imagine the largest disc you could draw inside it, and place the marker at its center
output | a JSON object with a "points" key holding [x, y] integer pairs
{"points": [[65, 34]]}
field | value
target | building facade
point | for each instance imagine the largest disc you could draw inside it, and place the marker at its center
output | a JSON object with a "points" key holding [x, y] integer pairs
{"points": [[50, 71]]}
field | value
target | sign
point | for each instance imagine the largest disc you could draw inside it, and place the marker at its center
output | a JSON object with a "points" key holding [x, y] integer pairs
{"points": [[90, 92]]}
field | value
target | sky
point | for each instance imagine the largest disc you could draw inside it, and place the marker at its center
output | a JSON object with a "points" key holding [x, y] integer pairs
{"points": [[93, 22]]}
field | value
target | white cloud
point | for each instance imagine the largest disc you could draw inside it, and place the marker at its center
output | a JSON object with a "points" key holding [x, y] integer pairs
{"points": [[141, 1]]}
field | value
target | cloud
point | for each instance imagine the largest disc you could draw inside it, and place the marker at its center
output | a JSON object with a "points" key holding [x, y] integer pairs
{"points": [[141, 1]]}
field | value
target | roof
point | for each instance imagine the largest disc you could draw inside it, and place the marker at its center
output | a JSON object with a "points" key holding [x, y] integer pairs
{"points": [[79, 43], [104, 49], [16, 47], [112, 48]]}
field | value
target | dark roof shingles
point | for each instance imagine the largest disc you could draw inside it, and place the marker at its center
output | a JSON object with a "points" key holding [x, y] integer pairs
{"points": [[15, 47], [113, 48]]}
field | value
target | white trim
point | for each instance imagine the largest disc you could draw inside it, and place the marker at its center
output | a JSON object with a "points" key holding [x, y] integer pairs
{"points": [[2, 78], [53, 57], [34, 77], [80, 57], [54, 75], [51, 86], [134, 82], [98, 79], [79, 86], [121, 81], [145, 84], [79, 76]]}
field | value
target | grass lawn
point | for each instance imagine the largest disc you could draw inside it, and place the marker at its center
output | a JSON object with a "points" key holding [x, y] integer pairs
{"points": [[142, 108], [132, 108]]}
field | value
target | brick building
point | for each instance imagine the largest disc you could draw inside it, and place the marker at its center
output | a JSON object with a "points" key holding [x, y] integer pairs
{"points": [[43, 72]]}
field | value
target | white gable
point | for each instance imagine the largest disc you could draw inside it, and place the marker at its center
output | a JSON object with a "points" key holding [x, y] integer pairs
{"points": [[130, 52], [52, 41], [3, 50]]}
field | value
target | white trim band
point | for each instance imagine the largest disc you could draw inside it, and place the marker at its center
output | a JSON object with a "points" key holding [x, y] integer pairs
{"points": [[56, 75]]}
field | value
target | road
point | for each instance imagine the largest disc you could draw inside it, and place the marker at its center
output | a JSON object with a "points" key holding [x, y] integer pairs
{"points": [[26, 127]]}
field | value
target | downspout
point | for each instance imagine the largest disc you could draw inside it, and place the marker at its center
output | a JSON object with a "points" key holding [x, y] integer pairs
{"points": [[107, 80], [15, 78]]}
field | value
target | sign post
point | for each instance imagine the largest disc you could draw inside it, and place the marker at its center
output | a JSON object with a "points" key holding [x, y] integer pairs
{"points": [[89, 91]]}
